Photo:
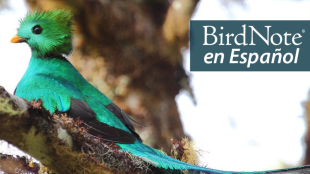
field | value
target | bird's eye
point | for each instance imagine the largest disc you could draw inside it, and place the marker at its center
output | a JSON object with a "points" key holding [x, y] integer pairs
{"points": [[37, 29]]}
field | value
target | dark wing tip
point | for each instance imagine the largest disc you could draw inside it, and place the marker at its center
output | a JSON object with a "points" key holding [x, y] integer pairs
{"points": [[80, 110], [131, 119], [121, 115], [109, 133]]}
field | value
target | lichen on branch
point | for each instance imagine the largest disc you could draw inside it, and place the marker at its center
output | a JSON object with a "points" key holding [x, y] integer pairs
{"points": [[59, 142], [62, 145]]}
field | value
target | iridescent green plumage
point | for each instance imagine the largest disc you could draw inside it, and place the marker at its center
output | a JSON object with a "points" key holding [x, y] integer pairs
{"points": [[55, 38], [52, 78]]}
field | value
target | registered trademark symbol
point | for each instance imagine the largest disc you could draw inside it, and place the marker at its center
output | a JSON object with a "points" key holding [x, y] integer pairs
{"points": [[303, 31]]}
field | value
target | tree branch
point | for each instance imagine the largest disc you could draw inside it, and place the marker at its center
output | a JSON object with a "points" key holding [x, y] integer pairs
{"points": [[59, 142], [11, 164]]}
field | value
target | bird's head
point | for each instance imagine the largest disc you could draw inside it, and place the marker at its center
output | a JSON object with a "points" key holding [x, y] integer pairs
{"points": [[48, 33]]}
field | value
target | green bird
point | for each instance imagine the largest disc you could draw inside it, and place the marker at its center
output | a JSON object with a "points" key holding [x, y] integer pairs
{"points": [[51, 78]]}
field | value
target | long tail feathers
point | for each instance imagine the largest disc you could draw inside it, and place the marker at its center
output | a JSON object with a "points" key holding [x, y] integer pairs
{"points": [[158, 159], [170, 165]]}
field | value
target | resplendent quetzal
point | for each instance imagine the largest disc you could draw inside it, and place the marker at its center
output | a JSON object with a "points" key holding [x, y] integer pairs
{"points": [[51, 78]]}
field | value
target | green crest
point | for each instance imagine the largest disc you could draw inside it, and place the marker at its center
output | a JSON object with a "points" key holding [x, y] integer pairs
{"points": [[55, 32]]}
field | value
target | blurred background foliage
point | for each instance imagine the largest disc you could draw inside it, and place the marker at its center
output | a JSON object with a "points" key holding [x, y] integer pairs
{"points": [[3, 4]]}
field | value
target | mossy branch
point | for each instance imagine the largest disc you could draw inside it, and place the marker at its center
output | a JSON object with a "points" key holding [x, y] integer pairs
{"points": [[59, 142], [17, 164]]}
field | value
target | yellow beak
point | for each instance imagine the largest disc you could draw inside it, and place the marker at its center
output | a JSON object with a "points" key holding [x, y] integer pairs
{"points": [[17, 39]]}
